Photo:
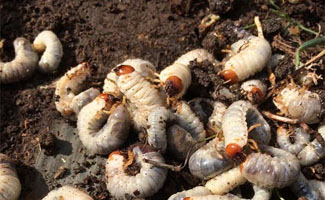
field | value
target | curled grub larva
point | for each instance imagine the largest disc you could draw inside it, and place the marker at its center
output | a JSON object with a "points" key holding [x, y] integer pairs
{"points": [[271, 172], [314, 151], [301, 139], [236, 120], [180, 143], [10, 186], [298, 103], [176, 78], [71, 84], [209, 160], [145, 183], [157, 120], [251, 56], [102, 132], [216, 118], [22, 66], [202, 107], [137, 89], [260, 194], [254, 90], [145, 68], [197, 191], [225, 182], [187, 119], [303, 188], [48, 42], [67, 192]]}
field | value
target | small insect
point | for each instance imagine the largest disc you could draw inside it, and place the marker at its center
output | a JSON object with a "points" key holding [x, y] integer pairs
{"points": [[303, 188], [145, 183], [314, 151], [137, 89], [250, 56], [102, 125], [254, 90], [225, 182], [298, 103], [209, 160], [67, 192], [260, 193], [180, 143], [48, 43], [216, 118], [236, 120], [22, 66], [197, 191], [301, 139], [187, 119], [67, 88], [145, 68], [10, 186], [271, 172], [157, 120], [176, 78]]}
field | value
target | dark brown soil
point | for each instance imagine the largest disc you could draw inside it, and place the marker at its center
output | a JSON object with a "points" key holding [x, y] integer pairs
{"points": [[106, 33]]}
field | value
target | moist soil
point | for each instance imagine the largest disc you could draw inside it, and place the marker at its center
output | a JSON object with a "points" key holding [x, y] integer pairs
{"points": [[104, 34]]}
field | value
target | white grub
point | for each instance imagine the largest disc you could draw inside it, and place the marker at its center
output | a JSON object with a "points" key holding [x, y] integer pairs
{"points": [[144, 184], [301, 139], [180, 143], [10, 186], [176, 78], [51, 58], [304, 188], [238, 117], [271, 172], [99, 131], [216, 118], [318, 186], [187, 119], [197, 191], [254, 90], [67, 192], [250, 56], [225, 182], [314, 151], [144, 67], [22, 66], [157, 122], [210, 160], [137, 89], [202, 107], [69, 86], [298, 103], [260, 194]]}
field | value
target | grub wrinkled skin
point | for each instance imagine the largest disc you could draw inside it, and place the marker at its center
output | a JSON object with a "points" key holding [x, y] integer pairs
{"points": [[22, 66], [10, 186], [67, 192], [48, 42]]}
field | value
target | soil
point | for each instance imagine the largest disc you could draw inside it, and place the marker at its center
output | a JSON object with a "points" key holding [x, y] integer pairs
{"points": [[36, 136]]}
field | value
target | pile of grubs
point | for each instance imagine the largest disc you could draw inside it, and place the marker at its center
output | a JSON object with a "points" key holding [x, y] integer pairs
{"points": [[223, 143]]}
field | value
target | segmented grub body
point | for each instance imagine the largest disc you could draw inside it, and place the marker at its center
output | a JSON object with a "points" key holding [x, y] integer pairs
{"points": [[22, 66], [251, 56], [216, 118], [144, 184], [67, 192], [100, 132], [303, 188], [51, 58], [299, 103], [10, 186]]}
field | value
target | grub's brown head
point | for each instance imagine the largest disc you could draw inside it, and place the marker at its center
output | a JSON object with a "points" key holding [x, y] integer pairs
{"points": [[229, 75], [173, 86], [123, 70], [232, 149], [257, 94]]}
